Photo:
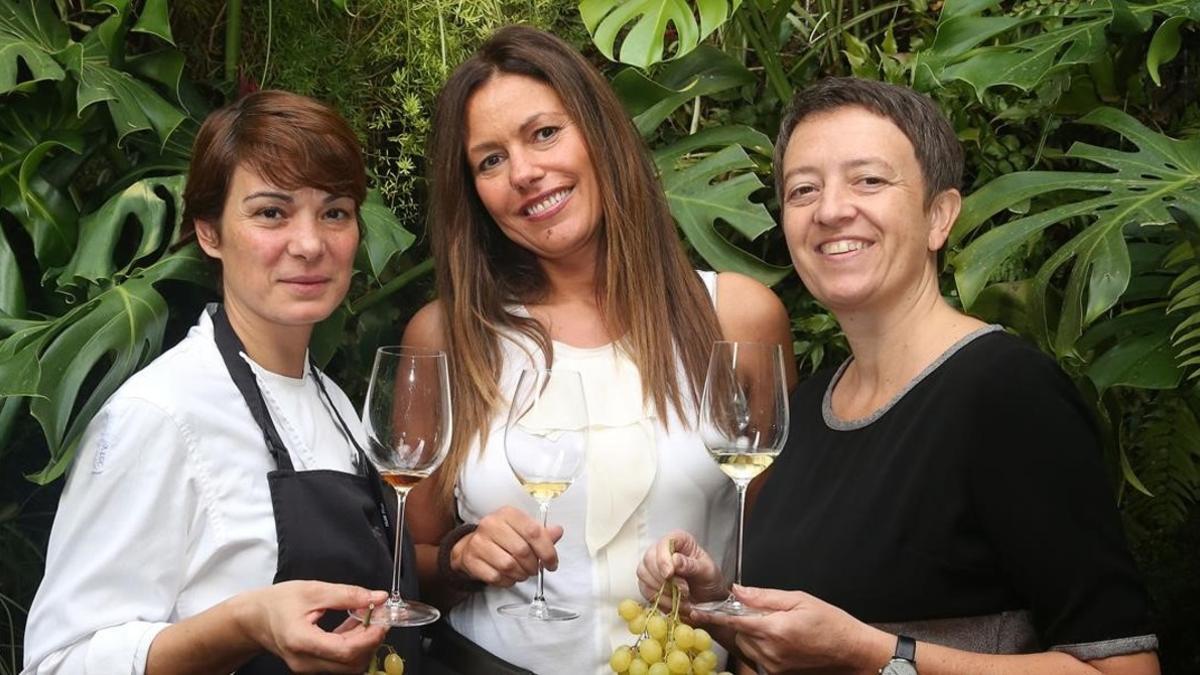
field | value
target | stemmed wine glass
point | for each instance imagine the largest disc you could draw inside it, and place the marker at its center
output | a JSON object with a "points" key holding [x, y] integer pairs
{"points": [[545, 442], [408, 421], [743, 423]]}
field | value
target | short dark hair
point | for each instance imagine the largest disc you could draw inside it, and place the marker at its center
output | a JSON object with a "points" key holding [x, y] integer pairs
{"points": [[938, 152], [293, 141]]}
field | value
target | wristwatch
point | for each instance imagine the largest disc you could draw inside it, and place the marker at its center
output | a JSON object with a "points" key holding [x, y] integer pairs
{"points": [[904, 661]]}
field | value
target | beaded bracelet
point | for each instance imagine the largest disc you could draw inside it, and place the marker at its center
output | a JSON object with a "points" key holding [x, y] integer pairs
{"points": [[459, 580]]}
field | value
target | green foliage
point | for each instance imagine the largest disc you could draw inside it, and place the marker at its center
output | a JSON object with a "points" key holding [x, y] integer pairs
{"points": [[647, 25]]}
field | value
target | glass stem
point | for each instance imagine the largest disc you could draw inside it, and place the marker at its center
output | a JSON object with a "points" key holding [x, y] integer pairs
{"points": [[395, 599], [540, 598], [741, 490]]}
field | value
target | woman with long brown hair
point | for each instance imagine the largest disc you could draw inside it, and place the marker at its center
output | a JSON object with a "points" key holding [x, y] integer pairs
{"points": [[554, 246]]}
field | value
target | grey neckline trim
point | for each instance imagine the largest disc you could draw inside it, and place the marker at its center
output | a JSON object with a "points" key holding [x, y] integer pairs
{"points": [[838, 424]]}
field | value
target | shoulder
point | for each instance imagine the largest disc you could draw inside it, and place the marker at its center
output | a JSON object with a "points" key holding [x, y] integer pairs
{"points": [[748, 310], [427, 328], [1007, 365]]}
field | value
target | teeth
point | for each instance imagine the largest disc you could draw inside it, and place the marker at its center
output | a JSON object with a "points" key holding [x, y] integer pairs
{"points": [[842, 246], [548, 202]]}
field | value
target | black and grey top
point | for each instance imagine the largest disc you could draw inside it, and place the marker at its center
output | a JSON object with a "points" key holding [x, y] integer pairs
{"points": [[972, 511]]}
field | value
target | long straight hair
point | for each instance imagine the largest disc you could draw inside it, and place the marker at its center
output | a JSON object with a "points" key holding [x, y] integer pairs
{"points": [[651, 300]]}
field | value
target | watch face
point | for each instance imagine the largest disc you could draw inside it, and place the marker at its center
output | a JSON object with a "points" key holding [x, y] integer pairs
{"points": [[899, 667]]}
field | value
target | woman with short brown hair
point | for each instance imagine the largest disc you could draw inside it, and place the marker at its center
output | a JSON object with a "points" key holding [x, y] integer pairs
{"points": [[221, 515]]}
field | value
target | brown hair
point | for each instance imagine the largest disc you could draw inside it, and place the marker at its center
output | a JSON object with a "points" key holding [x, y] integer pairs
{"points": [[645, 286], [937, 149], [290, 140]]}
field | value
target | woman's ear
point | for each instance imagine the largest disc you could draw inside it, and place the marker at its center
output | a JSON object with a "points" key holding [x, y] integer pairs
{"points": [[943, 213], [209, 238]]}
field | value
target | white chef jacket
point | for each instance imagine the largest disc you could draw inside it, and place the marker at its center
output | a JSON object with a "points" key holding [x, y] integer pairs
{"points": [[166, 511]]}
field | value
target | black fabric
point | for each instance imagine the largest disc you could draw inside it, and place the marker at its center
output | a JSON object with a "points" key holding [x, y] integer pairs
{"points": [[982, 490], [331, 526]]}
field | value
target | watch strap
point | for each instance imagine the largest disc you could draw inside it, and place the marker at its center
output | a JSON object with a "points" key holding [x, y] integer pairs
{"points": [[906, 648]]}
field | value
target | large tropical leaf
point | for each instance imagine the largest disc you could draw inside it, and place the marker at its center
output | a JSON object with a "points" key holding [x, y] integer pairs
{"points": [[30, 33], [103, 341], [704, 72], [705, 188], [146, 205], [1162, 172], [648, 24], [966, 46]]}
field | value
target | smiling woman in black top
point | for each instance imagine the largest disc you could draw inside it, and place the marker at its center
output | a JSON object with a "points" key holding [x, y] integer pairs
{"points": [[941, 505]]}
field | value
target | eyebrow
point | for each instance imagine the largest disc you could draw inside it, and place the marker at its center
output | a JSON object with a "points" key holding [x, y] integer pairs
{"points": [[285, 197], [852, 164], [529, 122]]}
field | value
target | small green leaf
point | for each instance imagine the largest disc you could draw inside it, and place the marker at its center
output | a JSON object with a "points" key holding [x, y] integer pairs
{"points": [[154, 20], [12, 288], [1164, 46], [383, 235]]}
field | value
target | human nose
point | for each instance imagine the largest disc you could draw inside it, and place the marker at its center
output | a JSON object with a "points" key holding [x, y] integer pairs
{"points": [[306, 241], [523, 170], [834, 206]]}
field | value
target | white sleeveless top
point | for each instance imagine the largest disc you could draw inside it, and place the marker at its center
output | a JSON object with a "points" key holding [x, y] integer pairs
{"points": [[642, 479]]}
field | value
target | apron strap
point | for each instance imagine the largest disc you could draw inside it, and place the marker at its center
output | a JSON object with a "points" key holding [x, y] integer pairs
{"points": [[230, 346], [364, 465]]}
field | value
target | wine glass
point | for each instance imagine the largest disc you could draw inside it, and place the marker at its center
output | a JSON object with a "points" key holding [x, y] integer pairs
{"points": [[743, 423], [545, 442], [408, 421]]}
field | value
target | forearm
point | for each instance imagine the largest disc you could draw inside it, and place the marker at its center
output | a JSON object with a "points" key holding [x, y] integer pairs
{"points": [[214, 641], [877, 647]]}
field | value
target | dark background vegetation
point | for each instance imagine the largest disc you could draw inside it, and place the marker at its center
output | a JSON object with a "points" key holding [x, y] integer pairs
{"points": [[1094, 257]]}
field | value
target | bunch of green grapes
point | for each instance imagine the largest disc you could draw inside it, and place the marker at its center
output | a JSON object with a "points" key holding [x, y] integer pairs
{"points": [[391, 664], [665, 645]]}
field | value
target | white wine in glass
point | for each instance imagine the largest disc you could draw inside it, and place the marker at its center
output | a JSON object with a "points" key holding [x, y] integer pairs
{"points": [[545, 442], [408, 421], [744, 424]]}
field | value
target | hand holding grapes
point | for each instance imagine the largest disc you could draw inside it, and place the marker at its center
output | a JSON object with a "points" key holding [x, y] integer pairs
{"points": [[506, 548], [678, 555], [282, 619]]}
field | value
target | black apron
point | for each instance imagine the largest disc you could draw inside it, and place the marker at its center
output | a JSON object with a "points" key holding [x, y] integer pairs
{"points": [[331, 526]]}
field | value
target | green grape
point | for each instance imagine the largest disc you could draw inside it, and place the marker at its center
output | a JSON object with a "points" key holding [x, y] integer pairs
{"points": [[701, 667], [393, 664], [660, 669], [638, 625], [651, 651], [701, 640], [684, 636], [707, 657], [629, 610], [678, 662], [657, 627], [639, 667], [621, 658]]}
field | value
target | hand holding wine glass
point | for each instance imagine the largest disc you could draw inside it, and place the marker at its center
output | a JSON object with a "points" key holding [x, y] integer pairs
{"points": [[743, 423], [545, 442], [408, 420]]}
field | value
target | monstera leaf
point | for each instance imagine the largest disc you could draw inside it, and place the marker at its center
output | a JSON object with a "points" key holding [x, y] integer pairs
{"points": [[146, 204], [704, 72], [704, 189], [965, 47], [1161, 173], [114, 334], [648, 23], [29, 33]]}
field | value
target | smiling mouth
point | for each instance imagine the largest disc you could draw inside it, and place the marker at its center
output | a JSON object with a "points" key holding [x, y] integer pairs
{"points": [[550, 201], [843, 246]]}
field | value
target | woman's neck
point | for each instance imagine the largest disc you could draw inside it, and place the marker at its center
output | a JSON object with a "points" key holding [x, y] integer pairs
{"points": [[279, 349], [891, 346]]}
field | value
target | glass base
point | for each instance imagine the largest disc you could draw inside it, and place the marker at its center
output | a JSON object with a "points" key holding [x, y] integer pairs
{"points": [[538, 610], [402, 614], [729, 606]]}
